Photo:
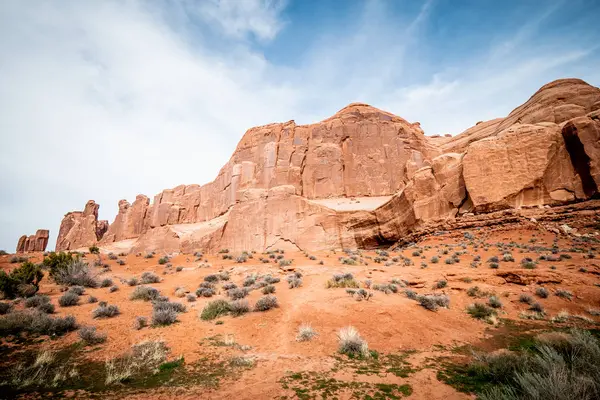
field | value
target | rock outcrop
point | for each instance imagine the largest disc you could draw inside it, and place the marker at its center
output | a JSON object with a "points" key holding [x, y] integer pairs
{"points": [[81, 228], [37, 242], [301, 186]]}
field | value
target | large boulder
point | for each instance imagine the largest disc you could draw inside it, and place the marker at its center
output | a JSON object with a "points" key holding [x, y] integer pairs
{"points": [[525, 165], [81, 228]]}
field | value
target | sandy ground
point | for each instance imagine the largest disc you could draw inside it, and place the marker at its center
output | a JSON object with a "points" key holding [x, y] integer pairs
{"points": [[389, 322]]}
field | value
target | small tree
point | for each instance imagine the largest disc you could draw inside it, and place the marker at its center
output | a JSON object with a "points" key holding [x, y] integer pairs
{"points": [[24, 280]]}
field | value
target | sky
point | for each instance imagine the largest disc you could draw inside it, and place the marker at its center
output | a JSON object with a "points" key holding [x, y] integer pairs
{"points": [[106, 99]]}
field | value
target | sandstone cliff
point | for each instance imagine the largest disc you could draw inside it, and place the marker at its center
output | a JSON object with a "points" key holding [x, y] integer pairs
{"points": [[37, 242], [364, 178]]}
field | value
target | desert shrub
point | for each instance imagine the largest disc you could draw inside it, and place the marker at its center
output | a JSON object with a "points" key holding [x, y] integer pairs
{"points": [[169, 305], [106, 282], [179, 268], [411, 294], [271, 279], [565, 294], [542, 292], [237, 293], [36, 301], [105, 311], [214, 309], [139, 323], [163, 317], [441, 284], [163, 260], [342, 281], [112, 256], [121, 262], [113, 289], [239, 307], [435, 260], [68, 299], [305, 333], [5, 308], [35, 322], [266, 303], [145, 293], [351, 343], [90, 336], [480, 311], [78, 290], [294, 282], [494, 302], [92, 299], [205, 292], [94, 250], [494, 265], [537, 307], [249, 281], [132, 281], [23, 280], [285, 263], [77, 273], [386, 288], [494, 259], [149, 277], [507, 257], [525, 298], [191, 298], [450, 261], [229, 286], [433, 301], [564, 367], [269, 289]]}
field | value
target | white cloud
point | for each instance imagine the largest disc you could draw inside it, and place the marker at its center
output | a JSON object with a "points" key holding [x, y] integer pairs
{"points": [[240, 18], [105, 100]]}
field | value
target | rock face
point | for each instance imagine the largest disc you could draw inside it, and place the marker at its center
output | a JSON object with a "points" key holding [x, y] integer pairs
{"points": [[37, 242], [280, 187], [81, 228]]}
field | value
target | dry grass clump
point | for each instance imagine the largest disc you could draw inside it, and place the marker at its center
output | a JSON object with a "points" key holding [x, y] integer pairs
{"points": [[561, 367], [351, 343], [342, 281], [305, 333], [46, 371], [144, 357]]}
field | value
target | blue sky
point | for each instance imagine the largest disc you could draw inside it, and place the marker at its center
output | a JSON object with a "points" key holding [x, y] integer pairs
{"points": [[107, 99]]}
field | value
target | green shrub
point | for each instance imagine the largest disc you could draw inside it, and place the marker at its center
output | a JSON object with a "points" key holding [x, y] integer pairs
{"points": [[480, 311], [215, 309], [24, 280], [94, 250]]}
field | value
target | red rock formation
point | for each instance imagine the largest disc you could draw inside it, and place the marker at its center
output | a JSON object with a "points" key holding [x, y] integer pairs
{"points": [[37, 242], [301, 186], [81, 228]]}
